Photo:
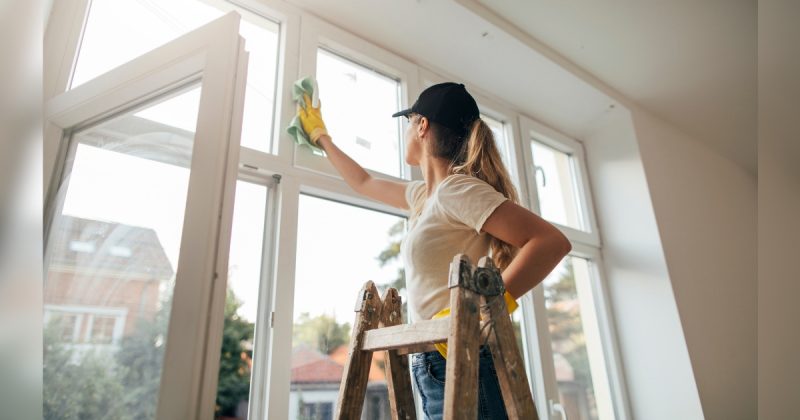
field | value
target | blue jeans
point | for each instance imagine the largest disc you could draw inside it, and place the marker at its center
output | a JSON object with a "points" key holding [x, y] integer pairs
{"points": [[429, 373]]}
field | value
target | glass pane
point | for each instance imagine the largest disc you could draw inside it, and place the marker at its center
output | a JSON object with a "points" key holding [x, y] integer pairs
{"points": [[499, 132], [577, 350], [333, 263], [119, 30], [556, 185], [358, 104], [111, 259], [241, 305]]}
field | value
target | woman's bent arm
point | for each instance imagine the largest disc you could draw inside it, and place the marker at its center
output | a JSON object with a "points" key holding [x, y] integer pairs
{"points": [[389, 192], [541, 246]]}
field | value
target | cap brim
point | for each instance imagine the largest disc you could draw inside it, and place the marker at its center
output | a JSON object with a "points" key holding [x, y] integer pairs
{"points": [[402, 113]]}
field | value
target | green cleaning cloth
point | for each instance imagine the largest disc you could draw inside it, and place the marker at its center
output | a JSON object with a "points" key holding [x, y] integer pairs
{"points": [[295, 128]]}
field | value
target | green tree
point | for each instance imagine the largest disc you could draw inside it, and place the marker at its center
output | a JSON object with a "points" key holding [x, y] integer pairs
{"points": [[77, 386], [234, 371], [390, 254], [322, 332], [566, 329], [125, 385]]}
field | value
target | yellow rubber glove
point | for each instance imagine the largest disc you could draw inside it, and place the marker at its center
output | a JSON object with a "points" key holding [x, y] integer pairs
{"points": [[511, 305], [311, 119]]}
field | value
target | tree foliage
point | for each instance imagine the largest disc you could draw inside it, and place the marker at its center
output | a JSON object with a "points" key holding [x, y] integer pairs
{"points": [[124, 383], [322, 332]]}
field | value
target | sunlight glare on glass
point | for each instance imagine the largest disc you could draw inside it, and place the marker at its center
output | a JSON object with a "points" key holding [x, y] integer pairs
{"points": [[118, 31], [357, 104]]}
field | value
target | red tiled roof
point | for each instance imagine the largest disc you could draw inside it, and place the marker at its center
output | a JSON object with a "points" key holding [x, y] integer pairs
{"points": [[319, 371]]}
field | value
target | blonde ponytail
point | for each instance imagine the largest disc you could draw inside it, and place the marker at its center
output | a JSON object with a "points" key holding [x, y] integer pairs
{"points": [[479, 157]]}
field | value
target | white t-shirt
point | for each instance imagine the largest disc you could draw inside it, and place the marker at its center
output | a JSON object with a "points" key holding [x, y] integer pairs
{"points": [[449, 224]]}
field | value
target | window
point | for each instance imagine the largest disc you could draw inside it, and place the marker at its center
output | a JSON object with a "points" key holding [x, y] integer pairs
{"points": [[358, 104], [316, 411], [118, 30], [66, 327], [242, 299], [578, 355], [557, 186], [126, 186], [573, 345], [333, 263], [102, 329], [498, 130]]}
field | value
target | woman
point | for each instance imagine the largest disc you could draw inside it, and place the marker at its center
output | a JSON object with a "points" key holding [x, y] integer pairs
{"points": [[467, 204]]}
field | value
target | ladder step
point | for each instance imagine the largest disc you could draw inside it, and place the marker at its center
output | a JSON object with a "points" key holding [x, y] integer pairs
{"points": [[407, 335], [411, 338]]}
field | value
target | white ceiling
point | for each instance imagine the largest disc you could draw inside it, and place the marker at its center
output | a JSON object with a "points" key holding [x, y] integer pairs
{"points": [[691, 63]]}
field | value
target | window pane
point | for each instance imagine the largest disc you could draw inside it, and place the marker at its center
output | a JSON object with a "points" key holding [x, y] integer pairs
{"points": [[498, 130], [556, 185], [501, 140], [107, 300], [577, 350], [241, 305], [119, 30], [333, 263], [358, 104]]}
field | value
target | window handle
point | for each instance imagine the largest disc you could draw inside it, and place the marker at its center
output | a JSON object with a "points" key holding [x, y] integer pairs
{"points": [[557, 407], [537, 170]]}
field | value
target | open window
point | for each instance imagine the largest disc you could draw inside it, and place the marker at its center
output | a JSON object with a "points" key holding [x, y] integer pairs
{"points": [[138, 218]]}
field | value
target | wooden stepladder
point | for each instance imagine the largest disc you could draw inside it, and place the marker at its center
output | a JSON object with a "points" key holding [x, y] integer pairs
{"points": [[478, 315]]}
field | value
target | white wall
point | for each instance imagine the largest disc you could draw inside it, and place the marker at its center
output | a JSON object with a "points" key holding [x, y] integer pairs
{"points": [[655, 360], [705, 207]]}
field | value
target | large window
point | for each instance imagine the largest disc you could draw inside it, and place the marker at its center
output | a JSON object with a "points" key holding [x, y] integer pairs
{"points": [[572, 341], [115, 240], [117, 31]]}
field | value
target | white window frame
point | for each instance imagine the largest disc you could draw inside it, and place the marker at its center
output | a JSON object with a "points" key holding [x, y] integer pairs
{"points": [[315, 34], [533, 130], [584, 245], [259, 379], [214, 56]]}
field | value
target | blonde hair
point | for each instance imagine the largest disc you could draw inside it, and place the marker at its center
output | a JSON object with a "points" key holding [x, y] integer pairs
{"points": [[477, 155]]}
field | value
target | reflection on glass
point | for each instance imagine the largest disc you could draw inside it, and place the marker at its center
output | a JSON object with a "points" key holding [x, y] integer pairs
{"points": [[334, 260], [110, 262], [118, 31], [241, 304], [556, 184], [358, 104], [577, 350]]}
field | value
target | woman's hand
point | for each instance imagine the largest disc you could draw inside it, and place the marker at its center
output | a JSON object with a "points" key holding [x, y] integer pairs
{"points": [[311, 119]]}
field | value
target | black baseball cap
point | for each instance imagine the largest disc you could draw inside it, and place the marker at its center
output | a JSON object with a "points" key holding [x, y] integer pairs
{"points": [[448, 104]]}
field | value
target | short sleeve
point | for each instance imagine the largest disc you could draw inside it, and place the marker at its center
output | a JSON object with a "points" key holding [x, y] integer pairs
{"points": [[468, 199], [413, 190]]}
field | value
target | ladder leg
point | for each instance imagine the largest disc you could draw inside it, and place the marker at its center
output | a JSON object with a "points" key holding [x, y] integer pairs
{"points": [[401, 397], [461, 383], [508, 362], [356, 370]]}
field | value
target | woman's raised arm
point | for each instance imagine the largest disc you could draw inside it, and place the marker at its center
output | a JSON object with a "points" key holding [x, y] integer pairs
{"points": [[383, 190]]}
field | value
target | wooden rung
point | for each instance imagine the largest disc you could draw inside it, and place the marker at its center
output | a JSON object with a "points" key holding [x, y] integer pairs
{"points": [[412, 338], [407, 335]]}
